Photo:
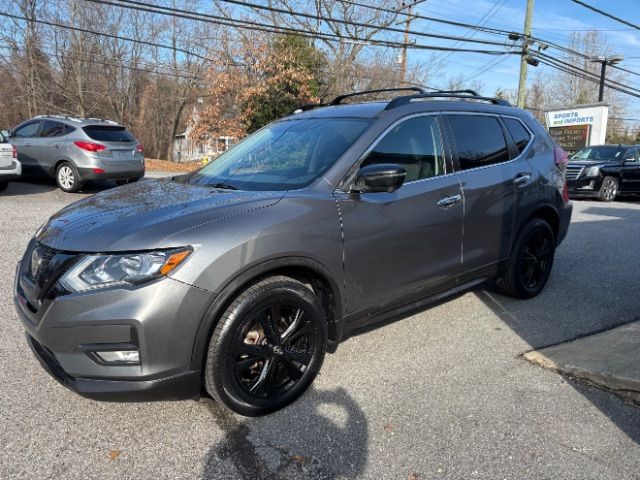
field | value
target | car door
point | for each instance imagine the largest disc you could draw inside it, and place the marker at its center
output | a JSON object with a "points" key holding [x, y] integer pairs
{"points": [[410, 239], [630, 172], [23, 139], [489, 180], [47, 146]]}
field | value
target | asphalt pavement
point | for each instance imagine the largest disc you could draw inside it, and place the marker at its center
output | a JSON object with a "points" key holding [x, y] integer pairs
{"points": [[444, 393]]}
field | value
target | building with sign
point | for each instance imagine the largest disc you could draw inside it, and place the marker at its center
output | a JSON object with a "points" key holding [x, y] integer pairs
{"points": [[578, 127]]}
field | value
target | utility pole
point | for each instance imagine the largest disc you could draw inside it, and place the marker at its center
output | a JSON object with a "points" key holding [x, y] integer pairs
{"points": [[522, 84], [403, 61], [612, 60]]}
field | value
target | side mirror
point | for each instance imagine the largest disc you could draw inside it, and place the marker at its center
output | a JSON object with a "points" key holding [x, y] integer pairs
{"points": [[380, 177], [5, 134]]}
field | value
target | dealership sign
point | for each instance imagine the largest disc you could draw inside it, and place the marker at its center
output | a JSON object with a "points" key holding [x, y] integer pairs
{"points": [[578, 127]]}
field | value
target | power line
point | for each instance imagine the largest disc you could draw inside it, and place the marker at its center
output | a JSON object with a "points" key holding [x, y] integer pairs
{"points": [[127, 67], [202, 17], [608, 15], [492, 30], [350, 22], [595, 75], [109, 35], [584, 75], [482, 22]]}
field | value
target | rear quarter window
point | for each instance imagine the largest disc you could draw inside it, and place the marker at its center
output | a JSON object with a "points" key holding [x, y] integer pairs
{"points": [[107, 133], [520, 135]]}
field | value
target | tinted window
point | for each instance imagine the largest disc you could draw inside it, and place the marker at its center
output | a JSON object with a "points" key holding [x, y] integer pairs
{"points": [[479, 140], [107, 133], [52, 129], [519, 134], [599, 153], [284, 155], [415, 145], [27, 131]]}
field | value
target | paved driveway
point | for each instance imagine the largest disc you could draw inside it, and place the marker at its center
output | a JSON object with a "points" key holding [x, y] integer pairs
{"points": [[440, 394]]}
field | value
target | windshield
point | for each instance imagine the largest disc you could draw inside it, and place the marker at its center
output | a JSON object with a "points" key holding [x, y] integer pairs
{"points": [[285, 155], [599, 153]]}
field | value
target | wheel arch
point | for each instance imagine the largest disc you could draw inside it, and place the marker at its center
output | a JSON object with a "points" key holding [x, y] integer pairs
{"points": [[57, 163], [546, 212], [303, 269]]}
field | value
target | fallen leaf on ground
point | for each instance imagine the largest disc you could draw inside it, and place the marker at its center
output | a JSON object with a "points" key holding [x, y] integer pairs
{"points": [[300, 459], [388, 427], [413, 476], [113, 454]]}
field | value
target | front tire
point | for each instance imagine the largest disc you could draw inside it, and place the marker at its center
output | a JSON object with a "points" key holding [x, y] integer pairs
{"points": [[267, 347], [68, 178], [608, 189], [529, 266]]}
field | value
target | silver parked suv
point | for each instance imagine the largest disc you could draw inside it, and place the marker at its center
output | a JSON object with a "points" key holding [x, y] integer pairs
{"points": [[235, 279], [74, 150]]}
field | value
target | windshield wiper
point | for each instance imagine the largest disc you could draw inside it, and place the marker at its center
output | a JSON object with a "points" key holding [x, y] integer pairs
{"points": [[224, 186]]}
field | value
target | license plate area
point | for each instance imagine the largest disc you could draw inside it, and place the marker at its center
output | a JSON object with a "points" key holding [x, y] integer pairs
{"points": [[122, 154]]}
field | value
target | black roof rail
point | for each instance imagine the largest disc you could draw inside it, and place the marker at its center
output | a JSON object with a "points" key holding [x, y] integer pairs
{"points": [[462, 94], [339, 98]]}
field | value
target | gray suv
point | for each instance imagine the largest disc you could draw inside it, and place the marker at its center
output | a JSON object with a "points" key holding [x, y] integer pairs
{"points": [[235, 279], [75, 150]]}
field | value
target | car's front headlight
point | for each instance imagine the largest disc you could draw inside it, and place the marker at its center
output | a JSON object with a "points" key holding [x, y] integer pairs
{"points": [[591, 172], [101, 271]]}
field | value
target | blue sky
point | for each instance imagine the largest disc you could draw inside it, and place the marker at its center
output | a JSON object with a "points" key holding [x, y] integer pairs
{"points": [[553, 20]]}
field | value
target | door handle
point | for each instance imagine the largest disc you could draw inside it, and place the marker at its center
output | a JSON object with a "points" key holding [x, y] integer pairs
{"points": [[450, 200], [55, 146], [522, 179]]}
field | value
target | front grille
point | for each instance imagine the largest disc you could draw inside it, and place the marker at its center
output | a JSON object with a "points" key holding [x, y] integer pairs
{"points": [[38, 262], [573, 171], [51, 361]]}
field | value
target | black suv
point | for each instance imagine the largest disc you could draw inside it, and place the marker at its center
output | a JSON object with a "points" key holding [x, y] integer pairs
{"points": [[604, 171], [237, 278]]}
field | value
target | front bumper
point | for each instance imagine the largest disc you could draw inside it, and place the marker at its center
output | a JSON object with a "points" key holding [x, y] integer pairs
{"points": [[584, 187], [160, 320], [11, 172]]}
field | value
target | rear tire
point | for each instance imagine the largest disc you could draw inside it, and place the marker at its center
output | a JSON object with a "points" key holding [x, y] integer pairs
{"points": [[267, 347], [3, 186], [608, 189], [68, 178], [529, 266]]}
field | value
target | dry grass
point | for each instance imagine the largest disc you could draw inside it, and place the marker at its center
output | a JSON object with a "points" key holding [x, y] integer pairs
{"points": [[156, 165]]}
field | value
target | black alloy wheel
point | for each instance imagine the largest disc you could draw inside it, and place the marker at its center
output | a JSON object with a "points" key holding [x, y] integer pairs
{"points": [[531, 260], [267, 348], [273, 351], [535, 259]]}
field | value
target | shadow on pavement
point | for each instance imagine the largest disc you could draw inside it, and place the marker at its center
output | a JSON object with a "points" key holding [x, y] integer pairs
{"points": [[292, 443], [594, 287], [36, 185]]}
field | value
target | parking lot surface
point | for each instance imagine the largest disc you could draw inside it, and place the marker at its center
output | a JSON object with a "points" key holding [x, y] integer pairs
{"points": [[443, 393]]}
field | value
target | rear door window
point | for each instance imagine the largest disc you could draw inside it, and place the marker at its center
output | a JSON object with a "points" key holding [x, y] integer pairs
{"points": [[27, 131], [108, 133], [520, 135], [51, 128], [479, 140]]}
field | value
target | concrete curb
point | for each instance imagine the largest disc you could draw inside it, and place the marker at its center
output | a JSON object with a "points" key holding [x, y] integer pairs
{"points": [[609, 359]]}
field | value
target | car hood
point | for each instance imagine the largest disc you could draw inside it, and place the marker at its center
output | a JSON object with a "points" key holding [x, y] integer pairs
{"points": [[144, 215], [598, 163]]}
